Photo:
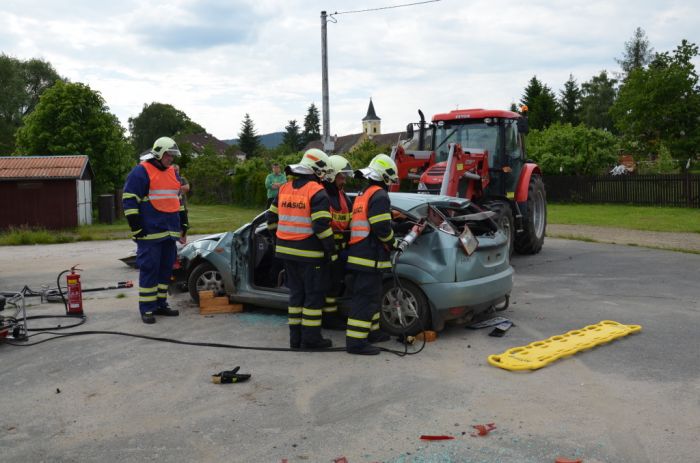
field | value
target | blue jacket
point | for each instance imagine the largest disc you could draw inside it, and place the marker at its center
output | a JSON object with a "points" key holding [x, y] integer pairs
{"points": [[155, 225]]}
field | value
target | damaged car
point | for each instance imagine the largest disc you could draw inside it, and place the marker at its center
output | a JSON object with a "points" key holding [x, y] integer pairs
{"points": [[457, 268]]}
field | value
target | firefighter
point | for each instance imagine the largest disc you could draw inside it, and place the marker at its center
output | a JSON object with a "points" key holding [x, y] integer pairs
{"points": [[371, 241], [157, 220], [340, 207], [304, 241]]}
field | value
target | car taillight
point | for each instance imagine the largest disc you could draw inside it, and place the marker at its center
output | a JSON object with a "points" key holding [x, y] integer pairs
{"points": [[457, 310], [468, 241]]}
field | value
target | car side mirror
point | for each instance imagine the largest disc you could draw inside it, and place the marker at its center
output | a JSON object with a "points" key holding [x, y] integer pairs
{"points": [[409, 131]]}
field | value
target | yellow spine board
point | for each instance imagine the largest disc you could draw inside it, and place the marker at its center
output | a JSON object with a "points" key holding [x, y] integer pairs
{"points": [[541, 353]]}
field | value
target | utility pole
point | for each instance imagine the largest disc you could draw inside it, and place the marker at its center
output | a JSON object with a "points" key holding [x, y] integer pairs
{"points": [[328, 144]]}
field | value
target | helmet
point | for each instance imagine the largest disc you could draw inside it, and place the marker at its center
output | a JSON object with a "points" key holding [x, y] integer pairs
{"points": [[164, 145], [338, 165], [314, 161], [381, 168]]}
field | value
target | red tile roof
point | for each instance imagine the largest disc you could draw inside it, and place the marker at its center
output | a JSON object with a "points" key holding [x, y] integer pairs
{"points": [[49, 167]]}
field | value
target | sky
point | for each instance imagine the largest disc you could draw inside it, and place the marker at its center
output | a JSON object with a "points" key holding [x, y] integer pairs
{"points": [[217, 60]]}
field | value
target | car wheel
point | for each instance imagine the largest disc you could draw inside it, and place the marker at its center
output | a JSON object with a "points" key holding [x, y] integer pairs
{"points": [[205, 277], [404, 310], [530, 240]]}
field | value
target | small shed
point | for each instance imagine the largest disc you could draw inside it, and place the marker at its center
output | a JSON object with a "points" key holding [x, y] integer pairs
{"points": [[45, 191]]}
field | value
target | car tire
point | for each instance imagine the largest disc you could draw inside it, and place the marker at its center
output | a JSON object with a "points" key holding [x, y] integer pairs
{"points": [[412, 300], [205, 277], [531, 239], [505, 221]]}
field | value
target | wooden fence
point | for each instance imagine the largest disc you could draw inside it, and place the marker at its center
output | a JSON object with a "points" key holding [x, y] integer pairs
{"points": [[658, 190]]}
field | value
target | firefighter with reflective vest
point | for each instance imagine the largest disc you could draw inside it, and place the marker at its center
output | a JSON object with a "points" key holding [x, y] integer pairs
{"points": [[157, 220], [371, 242], [304, 241], [341, 211]]}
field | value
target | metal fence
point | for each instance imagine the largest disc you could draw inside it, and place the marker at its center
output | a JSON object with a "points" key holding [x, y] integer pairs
{"points": [[657, 190]]}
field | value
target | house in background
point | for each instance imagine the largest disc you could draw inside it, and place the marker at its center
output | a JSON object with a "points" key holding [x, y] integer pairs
{"points": [[371, 130], [45, 191]]}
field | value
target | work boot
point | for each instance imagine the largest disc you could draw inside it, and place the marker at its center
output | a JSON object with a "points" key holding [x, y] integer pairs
{"points": [[320, 343], [364, 349], [148, 318], [167, 311], [333, 322], [378, 336]]}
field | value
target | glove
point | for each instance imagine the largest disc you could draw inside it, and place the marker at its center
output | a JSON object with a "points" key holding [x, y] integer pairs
{"points": [[136, 226], [229, 377]]}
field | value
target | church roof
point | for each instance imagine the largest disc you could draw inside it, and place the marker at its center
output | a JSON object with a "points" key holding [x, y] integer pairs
{"points": [[371, 115]]}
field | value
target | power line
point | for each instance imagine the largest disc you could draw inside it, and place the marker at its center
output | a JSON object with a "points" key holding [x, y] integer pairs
{"points": [[383, 7]]}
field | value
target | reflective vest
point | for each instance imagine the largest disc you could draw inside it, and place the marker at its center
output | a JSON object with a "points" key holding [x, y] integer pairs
{"points": [[359, 226], [340, 220], [294, 211], [163, 188]]}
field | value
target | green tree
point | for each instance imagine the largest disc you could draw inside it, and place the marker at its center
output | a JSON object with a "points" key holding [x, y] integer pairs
{"points": [[159, 120], [23, 82], [661, 104], [312, 125], [570, 102], [597, 97], [541, 104], [572, 150], [292, 138], [73, 119], [211, 178], [248, 139], [637, 54]]}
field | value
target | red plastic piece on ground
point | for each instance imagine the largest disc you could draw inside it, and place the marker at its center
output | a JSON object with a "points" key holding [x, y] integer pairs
{"points": [[424, 437], [340, 460], [566, 460], [483, 429]]}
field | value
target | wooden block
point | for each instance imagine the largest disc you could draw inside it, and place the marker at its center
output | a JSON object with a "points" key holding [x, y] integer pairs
{"points": [[216, 309], [209, 304], [429, 336]]}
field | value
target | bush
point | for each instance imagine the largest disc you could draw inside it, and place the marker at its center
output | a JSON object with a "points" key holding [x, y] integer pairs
{"points": [[562, 149], [210, 178]]}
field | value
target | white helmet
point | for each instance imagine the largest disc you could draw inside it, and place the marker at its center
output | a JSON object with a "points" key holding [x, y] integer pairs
{"points": [[382, 169], [338, 165], [164, 145], [314, 162]]}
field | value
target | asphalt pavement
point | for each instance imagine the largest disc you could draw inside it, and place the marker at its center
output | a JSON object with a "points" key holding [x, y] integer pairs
{"points": [[114, 398]]}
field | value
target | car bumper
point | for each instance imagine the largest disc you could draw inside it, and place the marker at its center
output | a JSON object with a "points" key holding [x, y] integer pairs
{"points": [[467, 298]]}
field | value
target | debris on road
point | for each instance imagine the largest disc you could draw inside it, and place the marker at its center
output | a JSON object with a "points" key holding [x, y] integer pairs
{"points": [[487, 323], [483, 429], [229, 377], [440, 437]]}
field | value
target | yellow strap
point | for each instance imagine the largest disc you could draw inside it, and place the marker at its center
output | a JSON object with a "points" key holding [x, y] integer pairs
{"points": [[298, 252], [325, 234], [131, 211], [359, 323], [356, 334], [379, 218]]}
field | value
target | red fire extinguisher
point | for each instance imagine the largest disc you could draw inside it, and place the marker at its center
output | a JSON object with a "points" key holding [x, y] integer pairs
{"points": [[75, 293]]}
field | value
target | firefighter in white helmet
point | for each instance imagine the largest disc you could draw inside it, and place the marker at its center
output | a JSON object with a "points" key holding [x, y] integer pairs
{"points": [[300, 219], [157, 219], [371, 241], [340, 208]]}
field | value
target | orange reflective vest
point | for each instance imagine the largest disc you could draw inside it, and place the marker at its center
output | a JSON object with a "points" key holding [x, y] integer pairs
{"points": [[163, 188], [340, 218], [294, 211], [359, 226]]}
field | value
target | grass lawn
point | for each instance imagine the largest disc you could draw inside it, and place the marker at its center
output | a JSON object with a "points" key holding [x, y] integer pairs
{"points": [[668, 219], [217, 218]]}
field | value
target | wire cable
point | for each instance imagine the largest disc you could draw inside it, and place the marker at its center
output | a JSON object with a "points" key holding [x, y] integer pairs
{"points": [[383, 7]]}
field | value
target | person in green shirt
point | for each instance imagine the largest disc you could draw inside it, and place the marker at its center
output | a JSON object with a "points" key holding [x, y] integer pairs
{"points": [[273, 182]]}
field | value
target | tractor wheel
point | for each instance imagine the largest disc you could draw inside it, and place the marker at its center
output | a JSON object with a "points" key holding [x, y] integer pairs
{"points": [[530, 240], [504, 219]]}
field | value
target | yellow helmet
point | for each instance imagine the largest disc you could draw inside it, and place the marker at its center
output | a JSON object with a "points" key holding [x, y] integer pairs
{"points": [[314, 161], [164, 145], [381, 168], [338, 165]]}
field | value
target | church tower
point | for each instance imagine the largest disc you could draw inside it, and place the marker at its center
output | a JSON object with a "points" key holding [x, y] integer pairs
{"points": [[371, 124]]}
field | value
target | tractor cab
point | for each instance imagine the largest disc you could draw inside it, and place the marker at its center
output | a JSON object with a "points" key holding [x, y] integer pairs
{"points": [[493, 134]]}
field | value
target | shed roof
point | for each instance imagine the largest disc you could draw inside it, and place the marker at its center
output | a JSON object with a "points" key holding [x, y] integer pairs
{"points": [[44, 167]]}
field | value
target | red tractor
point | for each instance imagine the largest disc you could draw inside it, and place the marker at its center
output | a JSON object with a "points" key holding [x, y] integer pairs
{"points": [[479, 154]]}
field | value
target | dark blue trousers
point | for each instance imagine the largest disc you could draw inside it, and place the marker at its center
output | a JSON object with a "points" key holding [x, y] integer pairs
{"points": [[155, 261], [306, 283]]}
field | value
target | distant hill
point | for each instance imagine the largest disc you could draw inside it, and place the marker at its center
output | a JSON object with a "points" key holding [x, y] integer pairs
{"points": [[269, 140]]}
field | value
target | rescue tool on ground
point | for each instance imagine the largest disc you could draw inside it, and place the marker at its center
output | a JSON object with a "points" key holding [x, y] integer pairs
{"points": [[479, 154]]}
